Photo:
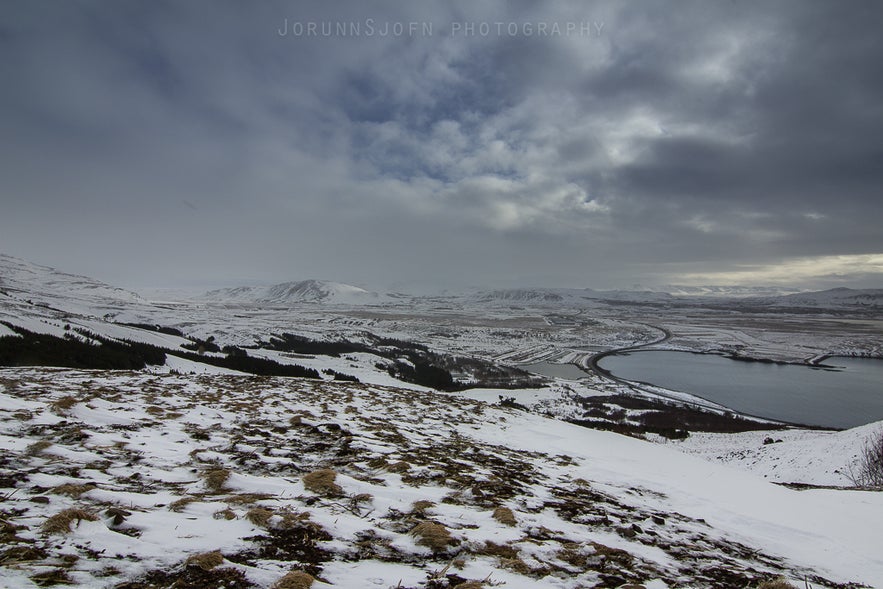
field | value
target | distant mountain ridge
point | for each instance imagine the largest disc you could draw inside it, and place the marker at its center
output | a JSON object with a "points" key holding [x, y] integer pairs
{"points": [[738, 297], [22, 280], [304, 291], [718, 291], [833, 298], [564, 296]]}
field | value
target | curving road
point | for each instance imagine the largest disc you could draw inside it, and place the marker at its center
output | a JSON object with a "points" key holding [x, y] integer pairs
{"points": [[591, 362]]}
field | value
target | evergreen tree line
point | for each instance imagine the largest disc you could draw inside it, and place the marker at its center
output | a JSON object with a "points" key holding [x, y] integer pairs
{"points": [[38, 349]]}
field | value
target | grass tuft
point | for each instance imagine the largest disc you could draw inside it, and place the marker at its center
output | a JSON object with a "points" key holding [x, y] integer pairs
{"points": [[227, 514], [37, 447], [295, 580], [206, 560], [421, 507], [216, 479], [780, 583], [247, 498], [505, 516], [432, 535], [259, 516], [294, 519], [72, 489], [51, 578], [63, 404], [400, 466], [322, 482], [178, 505], [23, 415], [61, 522]]}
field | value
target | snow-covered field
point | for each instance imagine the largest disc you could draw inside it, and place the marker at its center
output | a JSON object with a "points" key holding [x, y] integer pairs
{"points": [[207, 479]]}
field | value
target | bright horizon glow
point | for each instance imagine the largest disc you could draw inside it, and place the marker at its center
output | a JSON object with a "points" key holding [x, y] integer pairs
{"points": [[792, 272]]}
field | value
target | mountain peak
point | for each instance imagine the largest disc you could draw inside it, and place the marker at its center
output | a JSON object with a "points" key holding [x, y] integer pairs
{"points": [[303, 291]]}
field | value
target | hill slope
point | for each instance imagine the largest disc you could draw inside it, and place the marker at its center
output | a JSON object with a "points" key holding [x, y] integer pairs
{"points": [[21, 280], [426, 490]]}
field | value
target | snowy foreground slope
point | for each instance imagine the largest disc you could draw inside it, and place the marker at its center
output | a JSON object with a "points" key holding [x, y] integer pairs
{"points": [[226, 481]]}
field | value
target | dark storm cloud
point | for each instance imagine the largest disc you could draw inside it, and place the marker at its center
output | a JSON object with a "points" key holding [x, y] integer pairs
{"points": [[167, 142]]}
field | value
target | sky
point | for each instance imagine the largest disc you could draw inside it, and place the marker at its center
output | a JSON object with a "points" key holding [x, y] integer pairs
{"points": [[444, 144]]}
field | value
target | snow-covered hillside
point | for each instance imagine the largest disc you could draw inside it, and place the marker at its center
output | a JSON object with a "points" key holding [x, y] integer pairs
{"points": [[235, 481], [306, 291], [796, 456], [22, 280]]}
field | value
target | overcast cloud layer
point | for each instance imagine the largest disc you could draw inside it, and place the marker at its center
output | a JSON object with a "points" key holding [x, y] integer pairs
{"points": [[160, 143]]}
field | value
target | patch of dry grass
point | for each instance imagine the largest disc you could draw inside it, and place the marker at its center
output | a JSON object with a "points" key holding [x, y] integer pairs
{"points": [[19, 554], [259, 516], [432, 535], [616, 555], [505, 516], [780, 583], [37, 447], [295, 519], [421, 507], [63, 404], [355, 502], [322, 482], [23, 415], [295, 580], [227, 514], [498, 550], [516, 565], [247, 498], [400, 466], [378, 462], [178, 505], [117, 515], [469, 585], [206, 560], [72, 489], [61, 522], [215, 479], [51, 578]]}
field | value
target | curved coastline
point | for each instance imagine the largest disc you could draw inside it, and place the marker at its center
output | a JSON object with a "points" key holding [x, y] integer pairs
{"points": [[832, 396]]}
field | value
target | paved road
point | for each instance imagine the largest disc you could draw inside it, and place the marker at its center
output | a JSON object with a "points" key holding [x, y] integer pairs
{"points": [[591, 363]]}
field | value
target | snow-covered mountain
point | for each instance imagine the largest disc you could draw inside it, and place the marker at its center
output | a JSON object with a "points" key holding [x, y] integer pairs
{"points": [[520, 295], [28, 287], [23, 279], [305, 291]]}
